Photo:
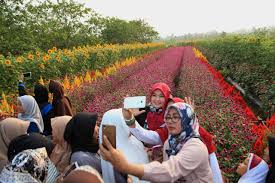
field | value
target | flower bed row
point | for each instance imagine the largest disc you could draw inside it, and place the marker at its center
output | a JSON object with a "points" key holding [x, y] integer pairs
{"points": [[248, 59], [57, 63], [137, 79], [221, 109]]}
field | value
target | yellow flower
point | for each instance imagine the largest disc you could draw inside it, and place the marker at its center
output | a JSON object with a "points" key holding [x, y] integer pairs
{"points": [[54, 49], [50, 51], [19, 59], [66, 83], [58, 58], [46, 58], [42, 66], [8, 62], [30, 56], [77, 81], [87, 77], [5, 106], [38, 53]]}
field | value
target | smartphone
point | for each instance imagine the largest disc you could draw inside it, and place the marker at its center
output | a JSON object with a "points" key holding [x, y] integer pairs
{"points": [[72, 167], [110, 132], [27, 75], [135, 102], [157, 152]]}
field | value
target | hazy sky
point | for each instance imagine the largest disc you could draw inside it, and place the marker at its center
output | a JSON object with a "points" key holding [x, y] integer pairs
{"points": [[180, 17]]}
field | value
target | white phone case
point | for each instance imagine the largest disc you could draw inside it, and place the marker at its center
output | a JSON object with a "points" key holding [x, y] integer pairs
{"points": [[134, 102]]}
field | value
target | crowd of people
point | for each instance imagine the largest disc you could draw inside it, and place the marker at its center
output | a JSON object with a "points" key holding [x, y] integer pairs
{"points": [[162, 142]]}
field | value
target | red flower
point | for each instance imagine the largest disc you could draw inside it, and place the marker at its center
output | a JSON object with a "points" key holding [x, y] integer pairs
{"points": [[271, 121], [250, 114], [258, 146]]}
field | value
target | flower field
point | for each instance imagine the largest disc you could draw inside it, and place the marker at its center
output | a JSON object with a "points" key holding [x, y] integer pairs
{"points": [[220, 108], [249, 61], [56, 63], [133, 80]]}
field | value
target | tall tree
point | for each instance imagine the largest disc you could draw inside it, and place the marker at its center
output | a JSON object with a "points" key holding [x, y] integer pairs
{"points": [[121, 31]]}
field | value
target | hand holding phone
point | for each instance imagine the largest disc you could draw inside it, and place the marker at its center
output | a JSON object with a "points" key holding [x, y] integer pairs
{"points": [[110, 132]]}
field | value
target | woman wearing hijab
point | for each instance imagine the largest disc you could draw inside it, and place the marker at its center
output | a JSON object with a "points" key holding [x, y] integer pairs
{"points": [[207, 138], [9, 129], [252, 170], [150, 127], [62, 151], [270, 178], [41, 95], [29, 141], [83, 174], [29, 111], [61, 104], [32, 165], [125, 142], [81, 133], [185, 155]]}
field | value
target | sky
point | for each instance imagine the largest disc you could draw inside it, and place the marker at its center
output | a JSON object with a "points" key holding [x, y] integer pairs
{"points": [[179, 17]]}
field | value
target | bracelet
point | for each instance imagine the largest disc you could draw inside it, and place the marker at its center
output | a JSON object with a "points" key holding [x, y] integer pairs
{"points": [[131, 121]]}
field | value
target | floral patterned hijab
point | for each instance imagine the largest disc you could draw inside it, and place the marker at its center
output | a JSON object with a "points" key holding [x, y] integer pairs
{"points": [[189, 124], [32, 165]]}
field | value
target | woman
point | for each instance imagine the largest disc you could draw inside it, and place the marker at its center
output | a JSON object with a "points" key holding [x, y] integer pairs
{"points": [[9, 129], [127, 143], [252, 170], [62, 150], [207, 138], [81, 134], [32, 165], [185, 155], [61, 104], [29, 141], [83, 174], [41, 95], [28, 110], [270, 178], [157, 134]]}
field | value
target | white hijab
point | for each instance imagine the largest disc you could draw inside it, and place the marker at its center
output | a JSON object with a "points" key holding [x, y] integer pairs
{"points": [[256, 174], [32, 112], [132, 148]]}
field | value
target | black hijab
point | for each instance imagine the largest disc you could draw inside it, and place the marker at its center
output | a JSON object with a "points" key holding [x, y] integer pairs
{"points": [[79, 132], [271, 174], [29, 141], [41, 94]]}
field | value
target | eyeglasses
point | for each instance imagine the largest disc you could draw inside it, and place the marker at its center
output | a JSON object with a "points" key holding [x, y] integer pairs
{"points": [[173, 118]]}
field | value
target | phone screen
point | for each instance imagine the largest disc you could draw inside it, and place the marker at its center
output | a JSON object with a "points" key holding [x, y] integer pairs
{"points": [[135, 102], [110, 132], [27, 75]]}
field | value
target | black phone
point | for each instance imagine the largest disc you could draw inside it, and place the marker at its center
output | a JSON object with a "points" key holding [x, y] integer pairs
{"points": [[72, 167], [27, 75]]}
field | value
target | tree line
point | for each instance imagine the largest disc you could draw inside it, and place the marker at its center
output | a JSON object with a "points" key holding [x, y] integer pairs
{"points": [[27, 25]]}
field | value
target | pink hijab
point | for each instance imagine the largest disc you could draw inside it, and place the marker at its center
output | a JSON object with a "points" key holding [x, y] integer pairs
{"points": [[62, 150]]}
